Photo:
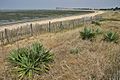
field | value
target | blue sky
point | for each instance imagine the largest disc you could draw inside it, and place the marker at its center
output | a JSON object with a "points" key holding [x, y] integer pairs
{"points": [[51, 4]]}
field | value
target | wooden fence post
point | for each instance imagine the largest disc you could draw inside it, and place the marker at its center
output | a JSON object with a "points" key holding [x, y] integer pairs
{"points": [[2, 39], [73, 23], [83, 20], [61, 26], [49, 25], [17, 34], [31, 30], [21, 32], [6, 35]]}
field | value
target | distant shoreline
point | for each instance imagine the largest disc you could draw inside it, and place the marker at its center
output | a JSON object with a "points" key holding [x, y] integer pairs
{"points": [[14, 26], [21, 16]]}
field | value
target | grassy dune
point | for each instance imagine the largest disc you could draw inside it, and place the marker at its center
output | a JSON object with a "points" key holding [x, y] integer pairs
{"points": [[75, 58]]}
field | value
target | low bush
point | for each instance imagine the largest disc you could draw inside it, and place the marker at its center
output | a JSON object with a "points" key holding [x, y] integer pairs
{"points": [[30, 61]]}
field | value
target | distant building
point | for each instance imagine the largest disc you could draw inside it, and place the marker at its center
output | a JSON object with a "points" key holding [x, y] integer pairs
{"points": [[62, 8]]}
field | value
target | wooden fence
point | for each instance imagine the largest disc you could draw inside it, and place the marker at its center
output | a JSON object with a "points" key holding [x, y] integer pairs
{"points": [[10, 36]]}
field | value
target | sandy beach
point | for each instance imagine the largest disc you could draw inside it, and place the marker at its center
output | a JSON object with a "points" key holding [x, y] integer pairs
{"points": [[13, 26]]}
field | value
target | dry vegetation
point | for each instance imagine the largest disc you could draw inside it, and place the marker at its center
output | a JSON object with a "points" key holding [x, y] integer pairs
{"points": [[77, 59]]}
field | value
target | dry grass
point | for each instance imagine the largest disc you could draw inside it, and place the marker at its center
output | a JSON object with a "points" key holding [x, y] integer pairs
{"points": [[95, 60]]}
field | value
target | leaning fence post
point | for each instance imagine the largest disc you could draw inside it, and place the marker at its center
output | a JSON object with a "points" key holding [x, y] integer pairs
{"points": [[31, 30], [6, 35]]}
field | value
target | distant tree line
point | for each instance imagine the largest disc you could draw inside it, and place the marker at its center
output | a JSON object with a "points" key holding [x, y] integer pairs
{"points": [[63, 8], [114, 9]]}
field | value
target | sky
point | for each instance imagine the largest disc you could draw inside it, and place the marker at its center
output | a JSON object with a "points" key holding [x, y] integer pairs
{"points": [[52, 4]]}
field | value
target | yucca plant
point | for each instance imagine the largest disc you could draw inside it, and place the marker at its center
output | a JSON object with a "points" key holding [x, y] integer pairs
{"points": [[30, 61], [111, 37], [98, 31], [88, 33], [96, 23]]}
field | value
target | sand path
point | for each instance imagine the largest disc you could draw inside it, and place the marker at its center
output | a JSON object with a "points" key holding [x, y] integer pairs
{"points": [[13, 26]]}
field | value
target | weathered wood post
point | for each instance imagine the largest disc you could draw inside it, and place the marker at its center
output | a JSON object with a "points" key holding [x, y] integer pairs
{"points": [[100, 17], [91, 19], [17, 34], [6, 35], [73, 23], [21, 32], [31, 30], [2, 39], [84, 21], [61, 26], [49, 25]]}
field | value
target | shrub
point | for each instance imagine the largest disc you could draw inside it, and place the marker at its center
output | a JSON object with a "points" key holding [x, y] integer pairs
{"points": [[30, 61], [111, 37], [88, 33]]}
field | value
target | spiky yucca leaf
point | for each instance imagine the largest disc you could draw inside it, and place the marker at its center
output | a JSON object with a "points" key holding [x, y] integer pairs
{"points": [[31, 60]]}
